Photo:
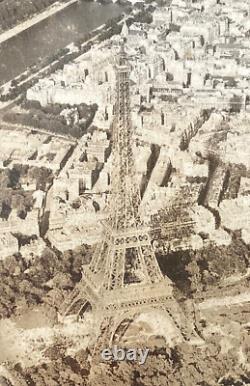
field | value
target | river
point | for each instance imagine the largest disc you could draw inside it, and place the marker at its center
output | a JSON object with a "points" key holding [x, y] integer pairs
{"points": [[48, 36]]}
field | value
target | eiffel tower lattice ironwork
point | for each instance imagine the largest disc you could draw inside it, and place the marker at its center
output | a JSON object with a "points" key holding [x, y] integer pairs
{"points": [[123, 277]]}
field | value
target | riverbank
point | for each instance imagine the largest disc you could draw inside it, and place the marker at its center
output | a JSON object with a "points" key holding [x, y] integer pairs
{"points": [[12, 90], [53, 9]]}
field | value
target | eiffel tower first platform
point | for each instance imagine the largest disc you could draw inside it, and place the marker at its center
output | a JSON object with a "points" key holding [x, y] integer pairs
{"points": [[123, 278]]}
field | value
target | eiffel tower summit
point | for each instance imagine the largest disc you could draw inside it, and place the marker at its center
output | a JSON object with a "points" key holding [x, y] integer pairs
{"points": [[123, 279]]}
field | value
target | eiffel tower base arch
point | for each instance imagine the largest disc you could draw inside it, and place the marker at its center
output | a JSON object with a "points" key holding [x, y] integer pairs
{"points": [[113, 326]]}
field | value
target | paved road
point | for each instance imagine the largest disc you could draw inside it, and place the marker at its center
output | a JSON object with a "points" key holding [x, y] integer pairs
{"points": [[226, 301], [16, 126]]}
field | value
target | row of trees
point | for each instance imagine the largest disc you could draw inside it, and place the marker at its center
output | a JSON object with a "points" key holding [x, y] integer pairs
{"points": [[20, 201], [13, 12], [183, 365], [114, 29], [58, 60], [21, 288], [54, 110], [49, 118], [53, 63], [195, 271], [63, 56], [12, 196]]}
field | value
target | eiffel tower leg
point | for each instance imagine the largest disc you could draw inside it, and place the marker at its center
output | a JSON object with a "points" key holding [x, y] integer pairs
{"points": [[102, 338], [82, 294], [105, 337], [68, 303], [178, 318]]}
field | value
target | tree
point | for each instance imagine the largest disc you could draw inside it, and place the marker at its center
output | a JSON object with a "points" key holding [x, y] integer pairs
{"points": [[236, 104], [4, 179], [183, 143], [17, 202], [194, 276]]}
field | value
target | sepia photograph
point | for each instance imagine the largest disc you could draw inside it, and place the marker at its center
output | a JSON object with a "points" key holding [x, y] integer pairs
{"points": [[124, 192]]}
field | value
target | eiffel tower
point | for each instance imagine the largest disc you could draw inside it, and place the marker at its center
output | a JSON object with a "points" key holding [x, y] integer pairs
{"points": [[123, 278]]}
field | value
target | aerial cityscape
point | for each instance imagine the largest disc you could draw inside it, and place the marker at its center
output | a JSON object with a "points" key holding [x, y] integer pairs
{"points": [[125, 193]]}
